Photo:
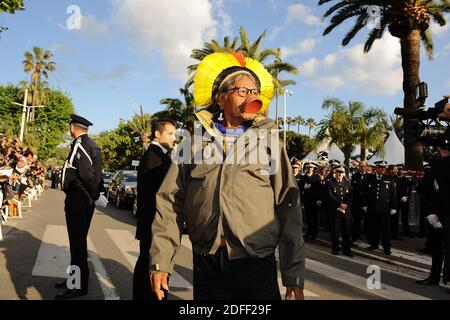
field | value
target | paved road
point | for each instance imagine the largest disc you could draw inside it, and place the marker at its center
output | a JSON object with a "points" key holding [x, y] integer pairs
{"points": [[34, 255]]}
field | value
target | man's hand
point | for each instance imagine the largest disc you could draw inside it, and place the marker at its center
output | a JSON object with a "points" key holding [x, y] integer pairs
{"points": [[157, 280], [344, 206], [298, 293]]}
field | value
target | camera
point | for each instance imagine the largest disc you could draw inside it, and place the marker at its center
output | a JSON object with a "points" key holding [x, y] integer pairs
{"points": [[433, 129]]}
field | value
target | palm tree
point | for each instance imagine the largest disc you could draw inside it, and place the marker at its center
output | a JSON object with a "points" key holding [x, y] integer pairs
{"points": [[38, 64], [372, 129], [396, 123], [182, 112], [408, 20], [299, 121], [141, 124], [289, 122], [351, 125], [310, 124]]}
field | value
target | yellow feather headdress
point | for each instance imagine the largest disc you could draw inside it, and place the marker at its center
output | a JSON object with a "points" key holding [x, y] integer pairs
{"points": [[214, 68]]}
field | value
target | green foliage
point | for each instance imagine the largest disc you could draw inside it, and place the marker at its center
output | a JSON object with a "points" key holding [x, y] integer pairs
{"points": [[119, 147], [9, 113], [141, 125], [298, 145], [11, 6], [51, 123], [57, 157]]}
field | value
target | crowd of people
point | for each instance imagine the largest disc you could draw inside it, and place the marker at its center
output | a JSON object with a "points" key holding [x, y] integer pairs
{"points": [[376, 199], [20, 171]]}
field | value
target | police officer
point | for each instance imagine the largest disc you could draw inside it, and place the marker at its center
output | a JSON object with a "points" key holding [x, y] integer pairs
{"points": [[81, 181], [311, 214], [297, 173], [393, 174], [339, 200], [380, 204], [439, 215], [319, 190], [358, 182], [404, 188]]}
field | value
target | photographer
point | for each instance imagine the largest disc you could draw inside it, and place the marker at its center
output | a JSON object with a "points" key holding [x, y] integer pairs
{"points": [[439, 212]]}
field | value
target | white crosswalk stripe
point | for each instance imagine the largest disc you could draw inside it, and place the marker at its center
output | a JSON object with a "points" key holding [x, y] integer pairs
{"points": [[129, 247], [54, 257]]}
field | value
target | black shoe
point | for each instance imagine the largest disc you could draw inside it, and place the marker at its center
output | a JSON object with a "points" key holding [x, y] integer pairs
{"points": [[428, 282], [61, 285], [348, 254], [69, 294], [397, 238], [335, 252], [372, 248], [387, 252]]}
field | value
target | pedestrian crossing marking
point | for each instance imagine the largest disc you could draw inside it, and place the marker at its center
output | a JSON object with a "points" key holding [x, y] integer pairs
{"points": [[386, 291], [108, 289], [54, 254], [129, 247], [54, 258]]}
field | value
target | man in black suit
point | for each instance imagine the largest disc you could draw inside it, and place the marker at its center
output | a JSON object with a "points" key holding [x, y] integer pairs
{"points": [[152, 169]]}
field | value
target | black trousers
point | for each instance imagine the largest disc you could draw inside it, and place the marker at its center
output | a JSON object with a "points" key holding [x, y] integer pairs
{"points": [[141, 276], [404, 207], [312, 219], [395, 219], [357, 215], [379, 224], [218, 278], [343, 222], [437, 238], [79, 209]]}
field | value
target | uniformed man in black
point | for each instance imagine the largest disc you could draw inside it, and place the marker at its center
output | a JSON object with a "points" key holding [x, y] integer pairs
{"points": [[380, 203], [395, 220], [152, 169], [81, 181], [297, 173], [439, 215], [427, 196], [404, 188], [319, 191], [338, 202], [358, 182], [311, 214]]}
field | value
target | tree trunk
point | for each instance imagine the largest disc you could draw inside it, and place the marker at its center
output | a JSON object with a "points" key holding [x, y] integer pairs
{"points": [[309, 132], [276, 107], [410, 49], [298, 128], [363, 154]]}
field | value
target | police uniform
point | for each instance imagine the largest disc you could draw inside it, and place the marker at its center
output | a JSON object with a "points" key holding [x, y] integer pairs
{"points": [[81, 182], [381, 202], [404, 186], [311, 214], [339, 192], [358, 182]]}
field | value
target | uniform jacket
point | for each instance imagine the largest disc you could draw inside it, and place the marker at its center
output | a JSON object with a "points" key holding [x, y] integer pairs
{"points": [[83, 167], [252, 210], [339, 193], [358, 182], [152, 169], [307, 194], [381, 194]]}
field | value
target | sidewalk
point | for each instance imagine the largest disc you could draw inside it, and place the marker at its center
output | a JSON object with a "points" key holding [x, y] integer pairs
{"points": [[405, 253]]}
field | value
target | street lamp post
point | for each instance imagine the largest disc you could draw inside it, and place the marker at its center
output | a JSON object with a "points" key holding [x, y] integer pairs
{"points": [[284, 114], [24, 113]]}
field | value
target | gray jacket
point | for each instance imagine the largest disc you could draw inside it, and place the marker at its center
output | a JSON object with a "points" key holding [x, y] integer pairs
{"points": [[255, 212]]}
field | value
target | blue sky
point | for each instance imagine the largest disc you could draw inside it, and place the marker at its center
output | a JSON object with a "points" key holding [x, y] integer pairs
{"points": [[135, 52]]}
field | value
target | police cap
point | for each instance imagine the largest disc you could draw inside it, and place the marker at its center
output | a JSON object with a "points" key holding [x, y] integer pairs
{"points": [[80, 121]]}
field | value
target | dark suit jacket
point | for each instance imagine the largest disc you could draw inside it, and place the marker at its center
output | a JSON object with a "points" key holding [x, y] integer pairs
{"points": [[152, 169], [381, 195]]}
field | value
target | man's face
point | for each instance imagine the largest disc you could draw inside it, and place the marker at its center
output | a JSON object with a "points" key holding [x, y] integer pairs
{"points": [[309, 170], [394, 171], [444, 153], [72, 131], [296, 170], [339, 175], [362, 167], [166, 137], [380, 170], [234, 105], [401, 172]]}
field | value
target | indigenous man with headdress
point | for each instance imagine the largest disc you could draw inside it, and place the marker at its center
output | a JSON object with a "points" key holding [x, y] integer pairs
{"points": [[236, 212]]}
